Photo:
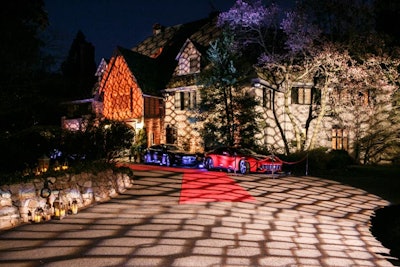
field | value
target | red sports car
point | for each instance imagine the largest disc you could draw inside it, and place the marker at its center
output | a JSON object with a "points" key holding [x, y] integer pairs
{"points": [[242, 160]]}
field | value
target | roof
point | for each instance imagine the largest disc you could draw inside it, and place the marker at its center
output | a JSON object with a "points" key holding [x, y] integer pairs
{"points": [[144, 69], [153, 60], [171, 39]]}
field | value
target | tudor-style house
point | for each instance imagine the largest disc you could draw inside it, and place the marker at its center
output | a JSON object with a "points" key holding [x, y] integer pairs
{"points": [[153, 86]]}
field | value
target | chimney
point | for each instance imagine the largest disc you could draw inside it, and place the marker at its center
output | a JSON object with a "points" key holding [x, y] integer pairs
{"points": [[157, 28]]}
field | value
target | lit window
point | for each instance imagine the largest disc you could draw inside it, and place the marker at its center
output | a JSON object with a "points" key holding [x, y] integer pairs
{"points": [[301, 95], [186, 100], [339, 138]]}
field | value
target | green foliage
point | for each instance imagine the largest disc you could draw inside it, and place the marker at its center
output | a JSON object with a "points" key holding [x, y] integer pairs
{"points": [[103, 139], [227, 111], [139, 145], [100, 140]]}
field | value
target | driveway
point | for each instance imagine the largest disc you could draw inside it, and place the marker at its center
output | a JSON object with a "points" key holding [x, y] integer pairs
{"points": [[293, 221]]}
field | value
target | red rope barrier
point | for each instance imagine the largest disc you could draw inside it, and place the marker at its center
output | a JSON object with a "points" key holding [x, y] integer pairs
{"points": [[296, 162]]}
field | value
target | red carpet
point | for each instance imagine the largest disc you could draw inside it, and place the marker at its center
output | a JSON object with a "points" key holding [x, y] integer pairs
{"points": [[203, 186]]}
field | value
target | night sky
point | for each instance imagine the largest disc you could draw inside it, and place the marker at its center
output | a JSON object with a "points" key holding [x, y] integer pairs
{"points": [[108, 23]]}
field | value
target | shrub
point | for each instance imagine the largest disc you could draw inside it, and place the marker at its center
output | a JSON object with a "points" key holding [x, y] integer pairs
{"points": [[316, 160], [339, 159]]}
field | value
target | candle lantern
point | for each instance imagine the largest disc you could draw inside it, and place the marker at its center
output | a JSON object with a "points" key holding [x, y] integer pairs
{"points": [[43, 163], [47, 212], [64, 166], [74, 207], [38, 214], [59, 209]]}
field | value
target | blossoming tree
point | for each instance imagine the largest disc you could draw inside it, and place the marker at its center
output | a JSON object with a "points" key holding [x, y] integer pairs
{"points": [[354, 86]]}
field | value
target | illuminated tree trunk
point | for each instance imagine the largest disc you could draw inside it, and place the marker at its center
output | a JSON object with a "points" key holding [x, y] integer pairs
{"points": [[278, 124], [318, 122]]}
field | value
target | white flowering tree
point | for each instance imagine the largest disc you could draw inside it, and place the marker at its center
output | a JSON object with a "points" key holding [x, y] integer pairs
{"points": [[364, 101]]}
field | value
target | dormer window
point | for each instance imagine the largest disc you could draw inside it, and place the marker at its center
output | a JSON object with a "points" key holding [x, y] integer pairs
{"points": [[188, 59]]}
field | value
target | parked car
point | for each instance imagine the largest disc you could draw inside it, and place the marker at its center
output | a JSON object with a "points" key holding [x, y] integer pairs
{"points": [[242, 160], [172, 155]]}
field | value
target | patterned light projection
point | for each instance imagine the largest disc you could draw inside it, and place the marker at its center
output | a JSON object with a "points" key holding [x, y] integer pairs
{"points": [[125, 101], [122, 97]]}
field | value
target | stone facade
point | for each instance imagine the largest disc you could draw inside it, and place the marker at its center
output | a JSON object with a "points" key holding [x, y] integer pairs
{"points": [[20, 202]]}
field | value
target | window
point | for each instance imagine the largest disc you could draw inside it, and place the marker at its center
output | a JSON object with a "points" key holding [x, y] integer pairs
{"points": [[186, 100], [152, 107], [339, 138], [301, 95], [366, 98], [267, 98], [193, 65], [171, 134]]}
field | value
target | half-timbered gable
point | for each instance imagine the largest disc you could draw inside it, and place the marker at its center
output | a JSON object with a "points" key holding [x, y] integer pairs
{"points": [[188, 60], [130, 94]]}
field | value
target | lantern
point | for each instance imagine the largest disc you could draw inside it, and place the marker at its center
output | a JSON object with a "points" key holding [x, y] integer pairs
{"points": [[43, 163], [57, 166], [74, 207], [38, 214], [47, 212], [64, 166], [59, 209]]}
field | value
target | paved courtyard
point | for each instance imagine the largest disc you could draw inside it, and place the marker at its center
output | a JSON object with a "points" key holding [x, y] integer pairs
{"points": [[294, 221]]}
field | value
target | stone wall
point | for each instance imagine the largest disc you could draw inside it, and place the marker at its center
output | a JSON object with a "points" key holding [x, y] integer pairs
{"points": [[19, 203]]}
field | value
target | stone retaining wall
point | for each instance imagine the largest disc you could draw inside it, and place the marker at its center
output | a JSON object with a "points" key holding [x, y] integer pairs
{"points": [[19, 203]]}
